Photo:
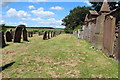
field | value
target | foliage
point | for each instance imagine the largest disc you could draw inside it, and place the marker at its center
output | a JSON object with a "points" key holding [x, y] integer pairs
{"points": [[3, 27], [75, 18], [97, 5]]}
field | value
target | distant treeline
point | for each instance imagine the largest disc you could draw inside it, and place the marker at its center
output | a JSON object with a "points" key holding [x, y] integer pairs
{"points": [[31, 27]]}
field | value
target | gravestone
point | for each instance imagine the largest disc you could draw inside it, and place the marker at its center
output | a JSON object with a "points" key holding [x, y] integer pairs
{"points": [[98, 39], [28, 34], [12, 33], [51, 34], [78, 33], [45, 35], [25, 34], [39, 33], [18, 32], [8, 36], [48, 34], [119, 45], [54, 34], [31, 34], [2, 39]]}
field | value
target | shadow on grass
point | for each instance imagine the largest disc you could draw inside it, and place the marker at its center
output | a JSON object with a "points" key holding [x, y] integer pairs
{"points": [[5, 46], [6, 66]]}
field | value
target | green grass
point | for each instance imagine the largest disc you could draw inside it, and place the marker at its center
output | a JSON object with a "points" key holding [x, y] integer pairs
{"points": [[63, 56]]}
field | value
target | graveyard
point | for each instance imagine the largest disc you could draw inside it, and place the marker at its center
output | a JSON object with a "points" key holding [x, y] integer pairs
{"points": [[85, 44], [63, 56]]}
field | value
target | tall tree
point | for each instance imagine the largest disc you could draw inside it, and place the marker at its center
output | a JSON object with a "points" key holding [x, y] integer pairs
{"points": [[75, 18], [97, 5]]}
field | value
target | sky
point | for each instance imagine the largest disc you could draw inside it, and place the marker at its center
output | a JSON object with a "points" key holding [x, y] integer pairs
{"points": [[37, 14]]}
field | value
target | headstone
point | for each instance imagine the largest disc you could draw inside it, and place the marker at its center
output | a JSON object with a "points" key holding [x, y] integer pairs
{"points": [[29, 34], [78, 34], [54, 34], [18, 32], [8, 36], [12, 33], [48, 34], [25, 34], [39, 33], [119, 45], [51, 34], [2, 39], [45, 35]]}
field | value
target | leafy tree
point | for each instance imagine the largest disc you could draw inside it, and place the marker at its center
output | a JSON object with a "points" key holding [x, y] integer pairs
{"points": [[2, 27], [75, 18], [97, 5]]}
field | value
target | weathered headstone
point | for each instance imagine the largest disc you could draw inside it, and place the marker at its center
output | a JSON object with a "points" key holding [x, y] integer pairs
{"points": [[119, 45], [18, 32], [54, 34], [31, 34], [51, 34], [48, 34], [28, 34], [8, 36], [2, 39], [45, 35], [25, 34], [12, 33], [39, 33]]}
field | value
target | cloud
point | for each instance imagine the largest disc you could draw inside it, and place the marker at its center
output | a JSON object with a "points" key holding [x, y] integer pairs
{"points": [[87, 2], [31, 7], [2, 21], [57, 8], [51, 22], [40, 12], [19, 14], [15, 23]]}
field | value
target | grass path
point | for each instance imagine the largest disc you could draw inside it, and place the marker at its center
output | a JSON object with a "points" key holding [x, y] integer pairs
{"points": [[60, 57]]}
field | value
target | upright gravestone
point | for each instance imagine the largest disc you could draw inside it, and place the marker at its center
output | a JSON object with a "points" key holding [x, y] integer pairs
{"points": [[48, 34], [31, 34], [2, 39], [28, 34], [8, 36], [12, 33], [25, 34], [51, 34], [119, 45], [18, 32], [54, 34], [39, 33], [45, 35]]}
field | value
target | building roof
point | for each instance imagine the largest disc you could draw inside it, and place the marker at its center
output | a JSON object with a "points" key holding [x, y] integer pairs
{"points": [[105, 6], [93, 12]]}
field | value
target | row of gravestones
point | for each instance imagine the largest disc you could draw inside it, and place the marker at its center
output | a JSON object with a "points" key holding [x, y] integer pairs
{"points": [[15, 35], [50, 34]]}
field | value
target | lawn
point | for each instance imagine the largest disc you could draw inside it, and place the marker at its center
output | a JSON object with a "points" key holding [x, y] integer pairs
{"points": [[63, 56]]}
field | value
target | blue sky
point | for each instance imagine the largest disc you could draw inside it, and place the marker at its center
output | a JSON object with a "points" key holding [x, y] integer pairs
{"points": [[37, 14]]}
